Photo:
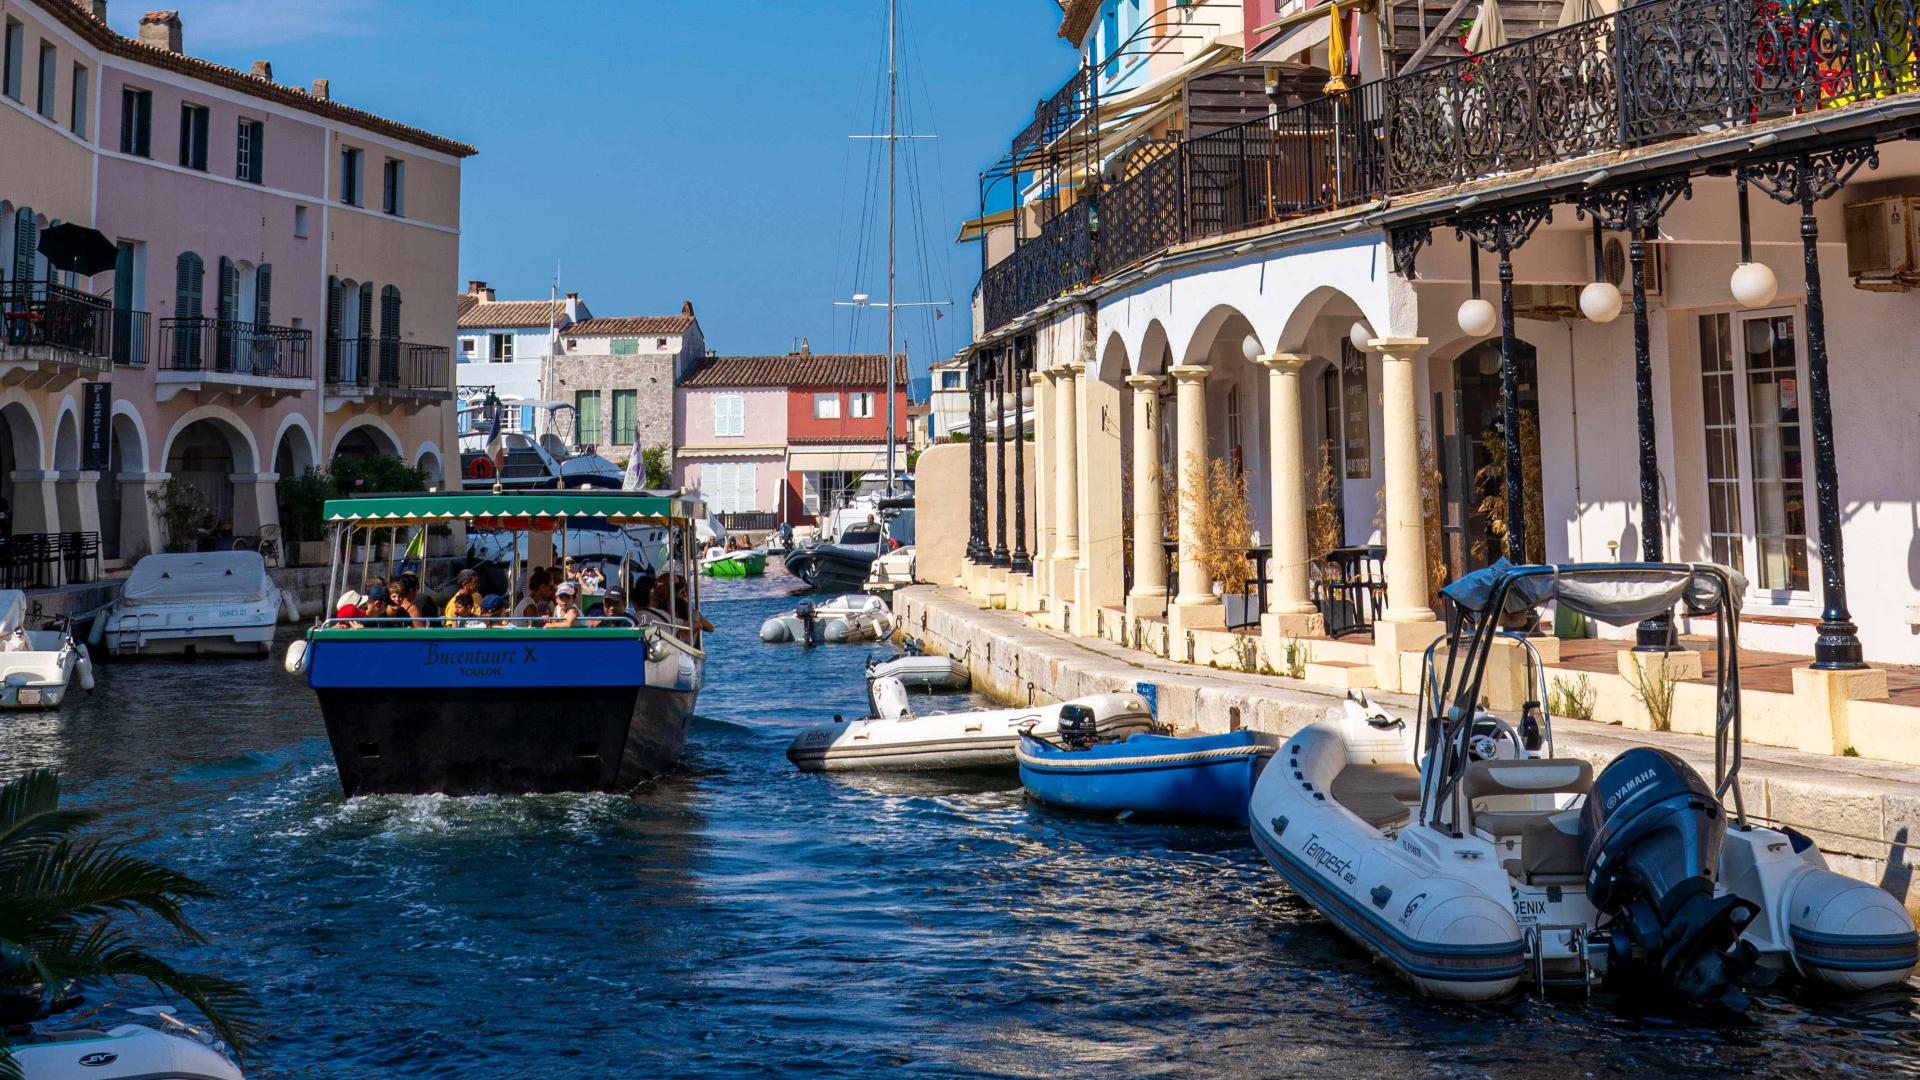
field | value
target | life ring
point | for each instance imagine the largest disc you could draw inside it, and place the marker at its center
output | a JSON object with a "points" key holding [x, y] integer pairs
{"points": [[480, 468]]}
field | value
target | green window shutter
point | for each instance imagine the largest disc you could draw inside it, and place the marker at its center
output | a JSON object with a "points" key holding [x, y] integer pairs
{"points": [[227, 314], [187, 296], [263, 295], [26, 236], [625, 416], [333, 328], [366, 309], [586, 404], [390, 312]]}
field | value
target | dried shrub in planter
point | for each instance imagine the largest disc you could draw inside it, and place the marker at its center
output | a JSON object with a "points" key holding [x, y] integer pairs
{"points": [[1217, 494]]}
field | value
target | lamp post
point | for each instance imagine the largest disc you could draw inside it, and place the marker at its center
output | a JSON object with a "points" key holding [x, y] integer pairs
{"points": [[1637, 210], [1499, 231], [1000, 555], [1804, 180], [977, 550], [1022, 559]]}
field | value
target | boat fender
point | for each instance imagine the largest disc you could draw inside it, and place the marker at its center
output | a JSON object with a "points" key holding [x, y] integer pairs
{"points": [[289, 608], [85, 669], [837, 631], [297, 657], [98, 632]]}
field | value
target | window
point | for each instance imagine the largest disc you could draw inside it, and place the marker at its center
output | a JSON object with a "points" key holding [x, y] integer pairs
{"points": [[729, 414], [820, 492], [860, 404], [16, 57], [136, 122], [250, 156], [659, 343], [393, 187], [730, 487], [350, 176], [586, 407], [193, 137], [624, 346], [826, 406], [950, 380], [1750, 382], [626, 416], [49, 79], [500, 348], [1235, 453], [82, 90], [300, 222], [1356, 436]]}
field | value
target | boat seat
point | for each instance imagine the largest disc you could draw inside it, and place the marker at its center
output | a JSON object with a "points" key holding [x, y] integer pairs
{"points": [[1527, 778], [1552, 847], [1378, 794]]}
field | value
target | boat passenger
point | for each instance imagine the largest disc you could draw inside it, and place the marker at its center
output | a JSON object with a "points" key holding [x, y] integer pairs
{"points": [[406, 599], [566, 611], [683, 605], [467, 583], [347, 611], [593, 581], [538, 603], [464, 612], [493, 610], [613, 611], [378, 607]]}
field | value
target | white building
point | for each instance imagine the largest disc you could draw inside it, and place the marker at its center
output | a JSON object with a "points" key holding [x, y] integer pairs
{"points": [[505, 345]]}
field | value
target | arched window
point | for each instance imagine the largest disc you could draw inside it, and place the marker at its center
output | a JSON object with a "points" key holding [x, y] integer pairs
{"points": [[189, 284]]}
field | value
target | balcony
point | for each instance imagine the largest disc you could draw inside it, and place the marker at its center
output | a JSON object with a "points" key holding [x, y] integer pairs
{"points": [[1652, 73], [232, 362], [387, 372], [52, 335]]}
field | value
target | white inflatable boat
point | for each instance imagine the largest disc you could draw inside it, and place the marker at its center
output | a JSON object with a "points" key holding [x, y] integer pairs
{"points": [[213, 603], [1498, 863], [843, 619], [921, 671], [125, 1052], [37, 667], [894, 739]]}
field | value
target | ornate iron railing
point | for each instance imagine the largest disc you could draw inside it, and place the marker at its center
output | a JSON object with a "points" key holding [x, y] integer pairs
{"points": [[1143, 214], [47, 313], [1059, 260], [388, 365], [1054, 116], [226, 347]]}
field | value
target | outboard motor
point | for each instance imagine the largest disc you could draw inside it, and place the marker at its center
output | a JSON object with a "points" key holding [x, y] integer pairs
{"points": [[1078, 728], [1653, 833], [805, 613]]}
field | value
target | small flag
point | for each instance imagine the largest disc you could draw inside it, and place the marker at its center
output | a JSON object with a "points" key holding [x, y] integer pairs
{"points": [[417, 547], [496, 439]]}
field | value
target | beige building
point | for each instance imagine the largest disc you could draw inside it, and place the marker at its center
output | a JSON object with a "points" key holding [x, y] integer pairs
{"points": [[619, 375]]}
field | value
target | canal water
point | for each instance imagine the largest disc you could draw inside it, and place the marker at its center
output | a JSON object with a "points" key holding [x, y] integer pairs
{"points": [[742, 919]]}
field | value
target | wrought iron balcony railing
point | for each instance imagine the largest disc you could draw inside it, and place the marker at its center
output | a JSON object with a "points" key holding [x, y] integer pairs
{"points": [[1054, 116], [132, 337], [48, 314], [1651, 72], [389, 365], [227, 347]]}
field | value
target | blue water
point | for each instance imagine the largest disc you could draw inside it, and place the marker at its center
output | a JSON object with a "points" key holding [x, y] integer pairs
{"points": [[742, 919]]}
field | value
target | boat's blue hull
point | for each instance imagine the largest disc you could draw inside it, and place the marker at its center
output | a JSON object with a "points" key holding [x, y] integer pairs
{"points": [[480, 712], [1203, 777]]}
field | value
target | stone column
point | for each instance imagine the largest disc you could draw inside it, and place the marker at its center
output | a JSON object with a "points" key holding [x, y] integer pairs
{"points": [[1291, 612], [1149, 594], [34, 508], [1408, 624], [256, 502], [1195, 607], [1066, 471], [141, 532], [1042, 486], [78, 497]]}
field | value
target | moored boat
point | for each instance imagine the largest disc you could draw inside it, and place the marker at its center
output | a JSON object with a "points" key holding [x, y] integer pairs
{"points": [[473, 706], [37, 666], [841, 620], [210, 603], [922, 671], [1191, 777], [744, 563], [894, 739]]}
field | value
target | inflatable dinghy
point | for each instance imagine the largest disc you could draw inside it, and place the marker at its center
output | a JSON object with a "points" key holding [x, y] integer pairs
{"points": [[841, 620]]}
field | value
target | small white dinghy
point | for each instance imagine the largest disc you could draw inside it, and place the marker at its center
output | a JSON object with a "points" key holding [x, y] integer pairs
{"points": [[895, 740], [126, 1052], [918, 670], [36, 666], [210, 603], [843, 619]]}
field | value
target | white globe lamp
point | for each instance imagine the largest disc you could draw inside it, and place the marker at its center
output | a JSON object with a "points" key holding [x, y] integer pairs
{"points": [[1754, 285], [1361, 335], [1476, 318], [1600, 302], [1250, 348]]}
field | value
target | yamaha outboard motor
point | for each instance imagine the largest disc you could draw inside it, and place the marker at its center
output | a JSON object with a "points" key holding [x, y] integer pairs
{"points": [[805, 613], [1078, 728], [1653, 833]]}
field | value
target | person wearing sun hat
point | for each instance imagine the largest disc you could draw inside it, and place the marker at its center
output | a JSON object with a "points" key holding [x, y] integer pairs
{"points": [[566, 612]]}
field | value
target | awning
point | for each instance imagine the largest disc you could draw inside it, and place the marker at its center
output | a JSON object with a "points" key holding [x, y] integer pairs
{"points": [[836, 460], [974, 229], [709, 452], [616, 507]]}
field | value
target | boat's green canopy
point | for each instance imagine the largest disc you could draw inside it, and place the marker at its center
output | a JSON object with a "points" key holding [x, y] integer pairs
{"points": [[613, 507]]}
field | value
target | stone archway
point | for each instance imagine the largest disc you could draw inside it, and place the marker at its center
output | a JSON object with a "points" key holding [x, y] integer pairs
{"points": [[126, 514], [25, 493], [365, 437], [213, 454]]}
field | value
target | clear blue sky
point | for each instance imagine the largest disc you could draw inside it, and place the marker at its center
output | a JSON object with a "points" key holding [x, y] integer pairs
{"points": [[670, 151]]}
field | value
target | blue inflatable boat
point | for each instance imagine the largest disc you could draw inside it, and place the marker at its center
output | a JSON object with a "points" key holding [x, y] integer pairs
{"points": [[1200, 777]]}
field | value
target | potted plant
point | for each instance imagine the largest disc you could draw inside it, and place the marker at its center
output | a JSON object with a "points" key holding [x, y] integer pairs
{"points": [[181, 507]]}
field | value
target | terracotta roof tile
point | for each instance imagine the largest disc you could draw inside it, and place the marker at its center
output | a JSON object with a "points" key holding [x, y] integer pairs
{"points": [[842, 440], [79, 19], [637, 325], [477, 314], [1076, 18], [795, 369]]}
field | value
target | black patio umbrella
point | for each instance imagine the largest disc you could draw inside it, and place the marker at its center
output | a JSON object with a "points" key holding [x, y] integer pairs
{"points": [[78, 248]]}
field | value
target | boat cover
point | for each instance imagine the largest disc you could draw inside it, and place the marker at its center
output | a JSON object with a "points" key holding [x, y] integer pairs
{"points": [[1617, 593], [217, 577], [13, 610]]}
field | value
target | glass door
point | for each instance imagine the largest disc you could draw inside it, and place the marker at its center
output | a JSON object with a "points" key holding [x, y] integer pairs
{"points": [[1753, 380]]}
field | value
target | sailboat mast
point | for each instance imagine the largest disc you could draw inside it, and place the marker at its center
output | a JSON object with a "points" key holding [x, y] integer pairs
{"points": [[893, 145]]}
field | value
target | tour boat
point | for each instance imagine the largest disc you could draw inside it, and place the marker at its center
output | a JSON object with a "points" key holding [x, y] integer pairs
{"points": [[744, 563], [209, 603], [512, 707], [1192, 777], [893, 739], [1493, 862], [37, 666], [123, 1052], [921, 671], [841, 620]]}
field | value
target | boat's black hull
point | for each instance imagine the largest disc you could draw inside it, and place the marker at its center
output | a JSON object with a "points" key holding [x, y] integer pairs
{"points": [[481, 742], [830, 568]]}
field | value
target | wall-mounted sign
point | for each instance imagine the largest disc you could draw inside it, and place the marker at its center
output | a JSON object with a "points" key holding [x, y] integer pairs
{"points": [[96, 438]]}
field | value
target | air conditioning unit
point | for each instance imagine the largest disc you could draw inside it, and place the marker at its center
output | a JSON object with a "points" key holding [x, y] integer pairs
{"points": [[1546, 302], [1881, 244], [1613, 260]]}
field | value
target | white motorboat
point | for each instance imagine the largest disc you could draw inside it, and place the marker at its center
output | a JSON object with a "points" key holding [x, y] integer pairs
{"points": [[917, 670], [1496, 862], [212, 603], [894, 739], [841, 620], [37, 666], [890, 571], [124, 1052]]}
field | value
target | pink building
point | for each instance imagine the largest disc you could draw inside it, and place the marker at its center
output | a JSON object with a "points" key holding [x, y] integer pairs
{"points": [[282, 292], [730, 435]]}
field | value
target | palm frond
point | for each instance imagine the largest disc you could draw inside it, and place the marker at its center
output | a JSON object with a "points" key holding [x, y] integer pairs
{"points": [[82, 880], [30, 812], [106, 952]]}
